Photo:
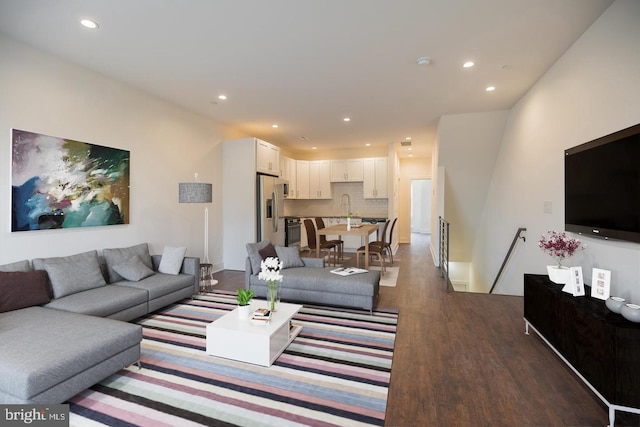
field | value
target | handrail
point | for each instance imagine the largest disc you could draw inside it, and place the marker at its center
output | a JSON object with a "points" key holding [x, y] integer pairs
{"points": [[508, 256], [443, 229]]}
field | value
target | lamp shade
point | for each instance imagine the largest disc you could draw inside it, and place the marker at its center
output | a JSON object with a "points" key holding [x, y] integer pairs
{"points": [[194, 192]]}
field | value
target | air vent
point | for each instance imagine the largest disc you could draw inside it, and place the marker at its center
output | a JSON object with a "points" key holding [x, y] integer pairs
{"points": [[405, 143]]}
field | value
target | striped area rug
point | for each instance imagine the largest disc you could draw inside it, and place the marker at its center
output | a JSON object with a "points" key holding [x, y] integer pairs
{"points": [[335, 373]]}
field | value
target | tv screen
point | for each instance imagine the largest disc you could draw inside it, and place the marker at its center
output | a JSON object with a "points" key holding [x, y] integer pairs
{"points": [[602, 186]]}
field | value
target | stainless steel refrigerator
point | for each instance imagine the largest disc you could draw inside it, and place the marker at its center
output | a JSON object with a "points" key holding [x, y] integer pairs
{"points": [[270, 209]]}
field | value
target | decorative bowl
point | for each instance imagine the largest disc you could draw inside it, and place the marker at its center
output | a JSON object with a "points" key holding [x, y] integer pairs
{"points": [[615, 304], [631, 312]]}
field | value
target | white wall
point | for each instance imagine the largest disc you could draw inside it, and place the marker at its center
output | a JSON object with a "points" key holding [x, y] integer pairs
{"points": [[468, 145], [591, 91], [43, 94]]}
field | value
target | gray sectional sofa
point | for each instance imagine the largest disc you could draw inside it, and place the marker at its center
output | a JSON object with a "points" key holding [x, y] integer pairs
{"points": [[307, 280], [63, 320]]}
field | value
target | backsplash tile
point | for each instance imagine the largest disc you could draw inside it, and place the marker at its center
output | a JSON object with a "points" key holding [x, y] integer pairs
{"points": [[333, 207]]}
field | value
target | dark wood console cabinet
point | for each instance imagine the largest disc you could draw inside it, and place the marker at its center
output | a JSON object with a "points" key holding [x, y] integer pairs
{"points": [[601, 347]]}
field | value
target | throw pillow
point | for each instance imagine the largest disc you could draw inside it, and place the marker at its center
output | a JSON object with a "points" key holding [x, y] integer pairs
{"points": [[117, 255], [23, 289], [268, 251], [171, 261], [16, 266], [133, 269], [73, 274], [254, 254], [289, 256]]}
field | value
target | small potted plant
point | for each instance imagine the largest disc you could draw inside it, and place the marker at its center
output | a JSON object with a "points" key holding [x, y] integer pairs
{"points": [[243, 297], [560, 247]]}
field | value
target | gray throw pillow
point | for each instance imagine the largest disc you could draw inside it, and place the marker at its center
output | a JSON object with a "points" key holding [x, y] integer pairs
{"points": [[72, 274], [115, 256], [253, 249], [16, 266], [133, 269], [171, 261], [289, 256]]}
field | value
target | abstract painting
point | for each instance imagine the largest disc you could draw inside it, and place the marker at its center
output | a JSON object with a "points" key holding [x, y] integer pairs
{"points": [[61, 183]]}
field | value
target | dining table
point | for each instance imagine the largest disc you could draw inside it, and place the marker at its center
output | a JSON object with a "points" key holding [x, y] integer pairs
{"points": [[363, 230]]}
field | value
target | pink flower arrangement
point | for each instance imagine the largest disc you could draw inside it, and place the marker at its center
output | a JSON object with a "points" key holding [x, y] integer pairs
{"points": [[559, 246]]}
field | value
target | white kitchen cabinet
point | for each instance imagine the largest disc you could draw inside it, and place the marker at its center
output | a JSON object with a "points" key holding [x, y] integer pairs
{"points": [[267, 158], [375, 178], [320, 179], [347, 170], [302, 179], [289, 174]]}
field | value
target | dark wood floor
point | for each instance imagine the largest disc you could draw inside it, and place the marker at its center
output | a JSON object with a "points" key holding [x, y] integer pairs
{"points": [[463, 359]]}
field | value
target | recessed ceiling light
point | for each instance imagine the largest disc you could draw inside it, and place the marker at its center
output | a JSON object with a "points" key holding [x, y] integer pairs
{"points": [[368, 144], [468, 64], [347, 119], [423, 60], [222, 97], [314, 148], [88, 23], [408, 138], [490, 88], [410, 149], [410, 155], [275, 126]]}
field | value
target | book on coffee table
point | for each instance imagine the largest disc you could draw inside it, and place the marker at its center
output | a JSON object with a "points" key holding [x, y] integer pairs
{"points": [[348, 271]]}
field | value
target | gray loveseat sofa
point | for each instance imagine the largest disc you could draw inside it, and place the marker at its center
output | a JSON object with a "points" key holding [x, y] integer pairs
{"points": [[63, 322], [307, 280]]}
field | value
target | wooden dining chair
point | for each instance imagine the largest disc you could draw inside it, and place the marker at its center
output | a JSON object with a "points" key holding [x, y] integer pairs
{"points": [[324, 241], [376, 249], [312, 243]]}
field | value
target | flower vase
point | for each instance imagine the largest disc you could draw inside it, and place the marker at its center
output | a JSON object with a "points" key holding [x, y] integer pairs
{"points": [[274, 296], [558, 274]]}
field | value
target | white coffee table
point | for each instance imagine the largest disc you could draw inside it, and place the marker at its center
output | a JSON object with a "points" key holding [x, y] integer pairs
{"points": [[240, 339]]}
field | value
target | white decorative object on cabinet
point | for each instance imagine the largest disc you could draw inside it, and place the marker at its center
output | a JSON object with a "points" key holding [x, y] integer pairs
{"points": [[375, 178], [267, 158], [302, 179], [347, 170], [319, 179]]}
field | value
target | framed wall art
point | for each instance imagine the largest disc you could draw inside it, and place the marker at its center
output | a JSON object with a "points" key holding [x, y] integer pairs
{"points": [[62, 183]]}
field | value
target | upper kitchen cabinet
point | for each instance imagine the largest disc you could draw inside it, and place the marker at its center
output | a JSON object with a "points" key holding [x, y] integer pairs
{"points": [[320, 179], [375, 178], [347, 170], [289, 173], [302, 179], [267, 158]]}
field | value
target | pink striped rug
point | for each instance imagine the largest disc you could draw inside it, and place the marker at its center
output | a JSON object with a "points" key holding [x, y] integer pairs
{"points": [[335, 373]]}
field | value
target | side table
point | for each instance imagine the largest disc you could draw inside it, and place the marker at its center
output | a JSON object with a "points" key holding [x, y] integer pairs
{"points": [[206, 277]]}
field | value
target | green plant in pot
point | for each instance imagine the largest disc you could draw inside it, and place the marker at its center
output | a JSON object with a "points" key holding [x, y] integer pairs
{"points": [[243, 297]]}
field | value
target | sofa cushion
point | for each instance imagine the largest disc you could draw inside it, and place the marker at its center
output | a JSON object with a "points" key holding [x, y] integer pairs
{"points": [[102, 302], [289, 256], [53, 346], [133, 269], [20, 289], [253, 250], [71, 274], [114, 256], [161, 284], [171, 261], [16, 266]]}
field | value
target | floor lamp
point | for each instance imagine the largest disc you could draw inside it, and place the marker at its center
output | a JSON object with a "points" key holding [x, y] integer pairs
{"points": [[198, 192]]}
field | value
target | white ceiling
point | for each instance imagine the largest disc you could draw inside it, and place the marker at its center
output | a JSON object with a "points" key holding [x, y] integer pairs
{"points": [[306, 65]]}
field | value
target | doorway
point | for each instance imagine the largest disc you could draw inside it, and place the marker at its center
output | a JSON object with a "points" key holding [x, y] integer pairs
{"points": [[421, 206]]}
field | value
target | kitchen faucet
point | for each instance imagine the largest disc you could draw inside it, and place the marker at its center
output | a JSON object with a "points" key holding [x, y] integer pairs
{"points": [[348, 205]]}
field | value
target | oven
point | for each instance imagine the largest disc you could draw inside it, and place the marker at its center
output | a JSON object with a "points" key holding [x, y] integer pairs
{"points": [[292, 232]]}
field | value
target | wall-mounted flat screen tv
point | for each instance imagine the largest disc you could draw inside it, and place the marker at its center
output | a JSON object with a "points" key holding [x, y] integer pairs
{"points": [[602, 186]]}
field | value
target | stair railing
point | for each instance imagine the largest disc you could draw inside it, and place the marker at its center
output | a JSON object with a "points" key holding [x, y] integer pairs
{"points": [[443, 229], [516, 238]]}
